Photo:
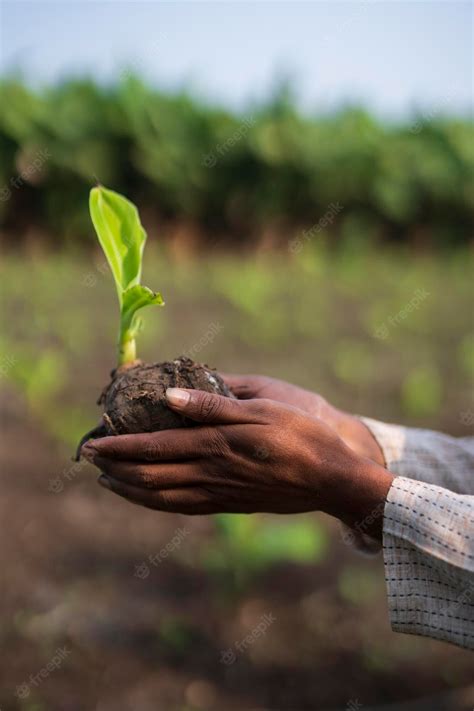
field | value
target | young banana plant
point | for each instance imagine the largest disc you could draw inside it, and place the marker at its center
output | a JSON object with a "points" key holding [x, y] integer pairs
{"points": [[122, 237]]}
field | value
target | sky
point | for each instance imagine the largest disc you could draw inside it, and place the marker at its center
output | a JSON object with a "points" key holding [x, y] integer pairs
{"points": [[395, 57]]}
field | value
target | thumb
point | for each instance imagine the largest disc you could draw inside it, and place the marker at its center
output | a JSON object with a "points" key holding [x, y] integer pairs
{"points": [[208, 407], [244, 387]]}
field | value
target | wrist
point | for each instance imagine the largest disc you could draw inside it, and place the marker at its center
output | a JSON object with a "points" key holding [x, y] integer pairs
{"points": [[355, 434], [363, 498]]}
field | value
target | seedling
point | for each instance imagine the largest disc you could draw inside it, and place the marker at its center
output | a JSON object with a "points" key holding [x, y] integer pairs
{"points": [[122, 237], [134, 400]]}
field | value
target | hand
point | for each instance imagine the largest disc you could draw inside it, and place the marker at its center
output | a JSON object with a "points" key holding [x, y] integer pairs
{"points": [[247, 456], [350, 428]]}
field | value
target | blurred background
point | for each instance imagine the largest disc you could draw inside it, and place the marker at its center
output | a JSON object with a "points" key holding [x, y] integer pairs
{"points": [[305, 175]]}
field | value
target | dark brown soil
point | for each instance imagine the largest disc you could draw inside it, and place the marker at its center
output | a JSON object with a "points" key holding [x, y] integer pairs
{"points": [[134, 400], [70, 562]]}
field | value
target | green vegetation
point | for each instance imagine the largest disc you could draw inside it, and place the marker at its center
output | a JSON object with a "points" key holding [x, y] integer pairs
{"points": [[270, 169], [247, 545], [340, 324], [384, 331], [122, 237]]}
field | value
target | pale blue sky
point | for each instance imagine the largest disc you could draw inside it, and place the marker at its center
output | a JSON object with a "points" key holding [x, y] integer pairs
{"points": [[393, 56]]}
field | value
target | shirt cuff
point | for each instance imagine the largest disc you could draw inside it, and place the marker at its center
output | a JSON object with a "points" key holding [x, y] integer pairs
{"points": [[390, 438], [434, 520], [428, 562]]}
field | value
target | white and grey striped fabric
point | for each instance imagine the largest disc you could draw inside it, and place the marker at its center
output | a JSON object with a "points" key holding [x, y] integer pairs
{"points": [[428, 532]]}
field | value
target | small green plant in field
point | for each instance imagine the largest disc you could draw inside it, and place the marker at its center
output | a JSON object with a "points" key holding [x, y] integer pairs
{"points": [[135, 398], [122, 237]]}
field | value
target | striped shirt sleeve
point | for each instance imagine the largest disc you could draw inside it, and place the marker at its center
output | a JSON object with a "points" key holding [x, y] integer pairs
{"points": [[428, 532]]}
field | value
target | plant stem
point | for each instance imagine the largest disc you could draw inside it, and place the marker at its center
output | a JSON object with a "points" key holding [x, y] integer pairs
{"points": [[127, 348]]}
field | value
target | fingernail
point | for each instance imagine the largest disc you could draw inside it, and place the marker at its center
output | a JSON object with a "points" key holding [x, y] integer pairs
{"points": [[105, 482], [177, 397], [89, 452]]}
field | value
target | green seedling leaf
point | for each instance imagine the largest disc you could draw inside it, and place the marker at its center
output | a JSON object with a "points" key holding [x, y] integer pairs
{"points": [[134, 298], [138, 296], [122, 237]]}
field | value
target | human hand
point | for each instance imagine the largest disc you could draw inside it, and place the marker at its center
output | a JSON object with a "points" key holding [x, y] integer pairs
{"points": [[350, 428], [247, 456]]}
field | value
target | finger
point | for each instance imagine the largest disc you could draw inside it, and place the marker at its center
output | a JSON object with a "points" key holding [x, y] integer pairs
{"points": [[167, 445], [157, 476], [243, 386], [97, 431], [208, 407], [187, 500]]}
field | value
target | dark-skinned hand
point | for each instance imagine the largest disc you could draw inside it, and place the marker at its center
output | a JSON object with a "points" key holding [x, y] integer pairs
{"points": [[349, 428], [245, 456]]}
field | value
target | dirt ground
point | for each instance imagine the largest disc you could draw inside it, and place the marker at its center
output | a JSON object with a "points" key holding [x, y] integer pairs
{"points": [[110, 607], [85, 628]]}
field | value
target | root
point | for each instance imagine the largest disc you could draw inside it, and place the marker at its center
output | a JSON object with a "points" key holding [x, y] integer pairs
{"points": [[109, 423]]}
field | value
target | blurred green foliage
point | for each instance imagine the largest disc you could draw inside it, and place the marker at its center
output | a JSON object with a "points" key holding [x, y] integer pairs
{"points": [[358, 585], [422, 391], [249, 544], [335, 321], [328, 321], [232, 175]]}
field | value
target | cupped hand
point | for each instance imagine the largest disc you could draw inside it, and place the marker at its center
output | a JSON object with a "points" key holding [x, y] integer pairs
{"points": [[248, 387], [244, 457], [349, 427]]}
